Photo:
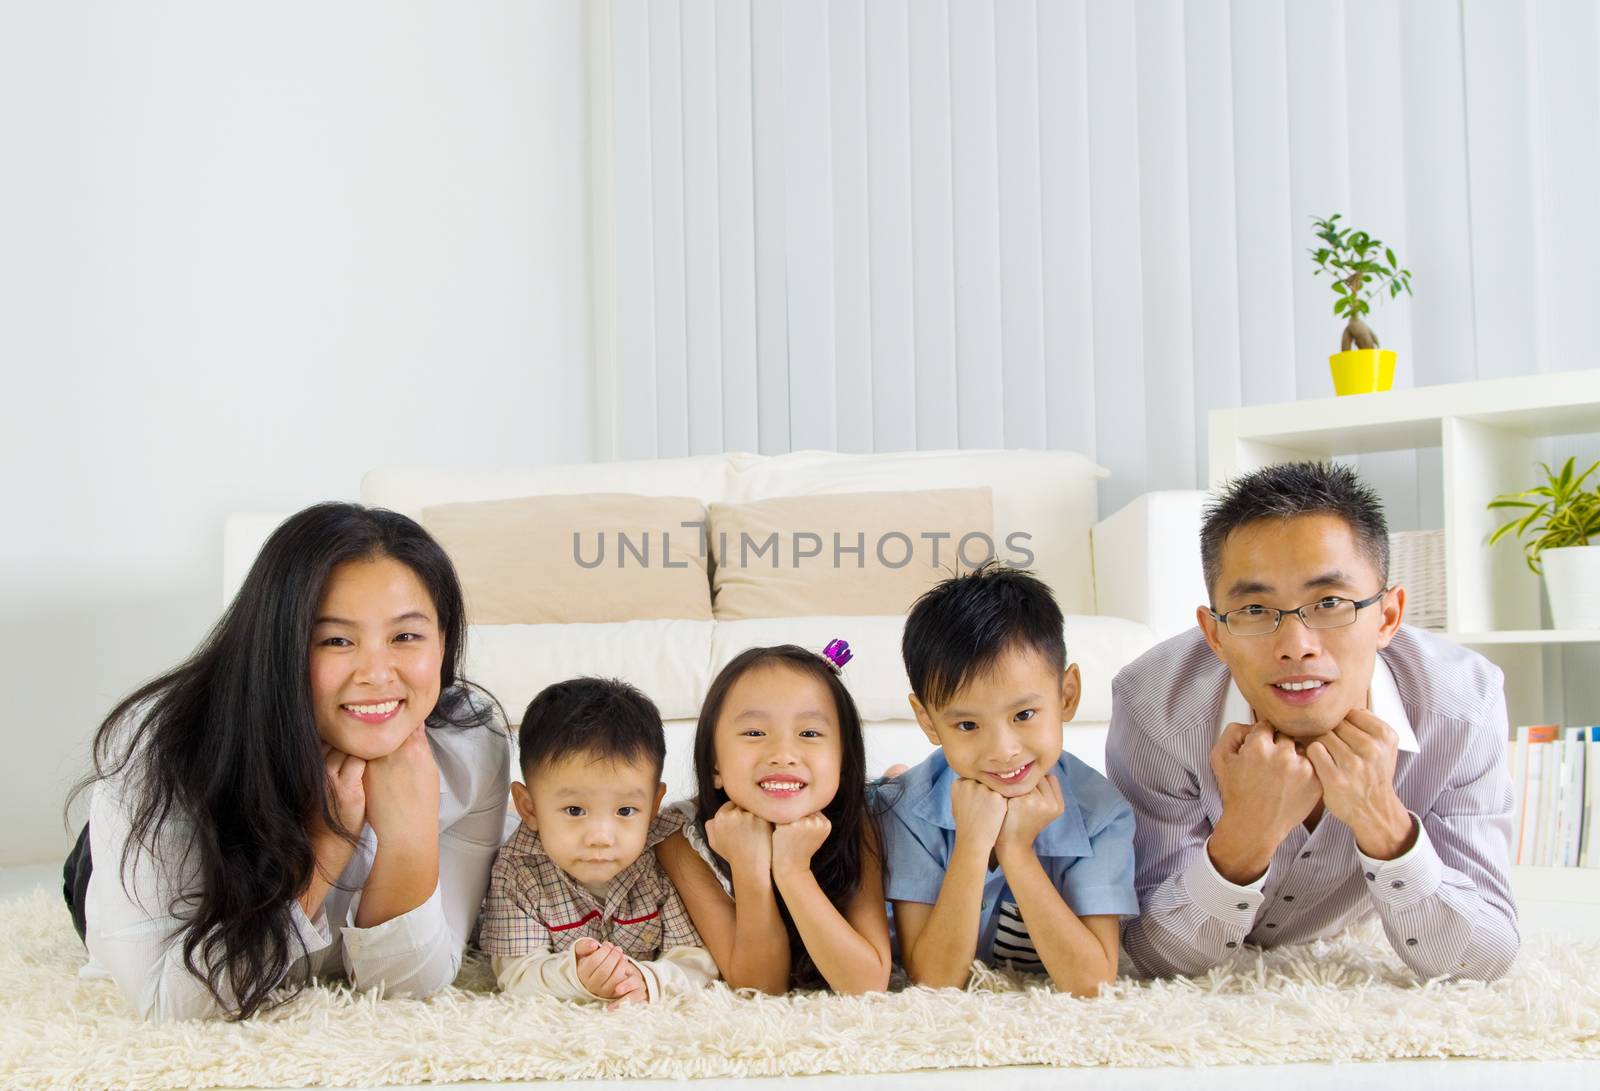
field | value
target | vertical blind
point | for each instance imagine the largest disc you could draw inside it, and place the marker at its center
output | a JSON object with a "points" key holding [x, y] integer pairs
{"points": [[874, 225]]}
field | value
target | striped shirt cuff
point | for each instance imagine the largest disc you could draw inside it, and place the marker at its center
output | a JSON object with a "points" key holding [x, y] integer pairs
{"points": [[1411, 877], [1230, 903]]}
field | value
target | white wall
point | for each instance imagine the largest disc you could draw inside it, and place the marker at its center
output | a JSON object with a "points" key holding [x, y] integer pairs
{"points": [[246, 253], [887, 224]]}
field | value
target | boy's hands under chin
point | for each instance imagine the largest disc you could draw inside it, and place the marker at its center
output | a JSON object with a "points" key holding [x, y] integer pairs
{"points": [[741, 838], [1355, 765], [607, 972], [1027, 815], [979, 811]]}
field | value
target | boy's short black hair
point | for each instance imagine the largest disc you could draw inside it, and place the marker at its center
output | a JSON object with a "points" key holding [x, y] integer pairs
{"points": [[958, 629], [1291, 489], [601, 718]]}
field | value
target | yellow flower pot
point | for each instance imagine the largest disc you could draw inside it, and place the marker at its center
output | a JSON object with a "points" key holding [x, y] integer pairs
{"points": [[1362, 371]]}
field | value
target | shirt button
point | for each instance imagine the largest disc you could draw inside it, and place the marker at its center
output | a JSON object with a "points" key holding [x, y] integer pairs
{"points": [[1305, 856], [1271, 925], [1397, 884], [1242, 905], [1288, 897], [1370, 876], [1231, 943], [1413, 943]]}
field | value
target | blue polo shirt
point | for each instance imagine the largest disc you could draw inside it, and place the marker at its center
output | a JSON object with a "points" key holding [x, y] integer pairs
{"points": [[1087, 851]]}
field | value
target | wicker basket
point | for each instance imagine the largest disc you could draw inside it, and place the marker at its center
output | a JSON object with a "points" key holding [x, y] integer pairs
{"points": [[1416, 559]]}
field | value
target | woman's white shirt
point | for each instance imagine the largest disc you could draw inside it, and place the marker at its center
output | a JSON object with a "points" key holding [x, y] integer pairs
{"points": [[134, 937]]}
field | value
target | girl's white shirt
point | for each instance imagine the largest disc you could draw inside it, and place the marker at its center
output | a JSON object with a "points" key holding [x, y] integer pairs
{"points": [[697, 841], [134, 938]]}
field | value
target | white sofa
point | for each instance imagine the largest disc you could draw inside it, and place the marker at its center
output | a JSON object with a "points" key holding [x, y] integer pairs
{"points": [[1124, 583]]}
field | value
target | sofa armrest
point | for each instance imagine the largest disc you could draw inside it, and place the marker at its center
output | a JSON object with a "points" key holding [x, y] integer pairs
{"points": [[1147, 561], [243, 534]]}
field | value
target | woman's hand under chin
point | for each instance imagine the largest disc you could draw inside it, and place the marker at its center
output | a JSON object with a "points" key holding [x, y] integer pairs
{"points": [[347, 790], [332, 849], [402, 792]]}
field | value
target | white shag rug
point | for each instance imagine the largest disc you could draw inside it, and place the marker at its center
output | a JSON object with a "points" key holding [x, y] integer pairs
{"points": [[1345, 999]]}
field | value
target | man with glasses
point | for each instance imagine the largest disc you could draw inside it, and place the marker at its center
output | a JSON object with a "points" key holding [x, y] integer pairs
{"points": [[1302, 759]]}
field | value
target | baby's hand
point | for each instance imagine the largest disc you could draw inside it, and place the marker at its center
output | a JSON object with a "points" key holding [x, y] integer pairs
{"points": [[604, 968], [635, 993]]}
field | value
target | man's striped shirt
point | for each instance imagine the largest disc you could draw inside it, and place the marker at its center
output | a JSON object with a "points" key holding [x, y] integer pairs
{"points": [[1446, 904]]}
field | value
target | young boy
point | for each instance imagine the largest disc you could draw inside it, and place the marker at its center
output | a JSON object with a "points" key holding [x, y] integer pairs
{"points": [[578, 907], [1000, 846]]}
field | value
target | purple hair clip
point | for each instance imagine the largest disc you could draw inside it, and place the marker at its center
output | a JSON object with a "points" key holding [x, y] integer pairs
{"points": [[837, 653]]}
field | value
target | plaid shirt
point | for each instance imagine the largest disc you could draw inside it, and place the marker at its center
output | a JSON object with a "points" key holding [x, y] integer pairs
{"points": [[535, 906]]}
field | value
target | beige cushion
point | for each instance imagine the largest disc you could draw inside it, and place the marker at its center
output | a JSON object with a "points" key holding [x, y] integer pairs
{"points": [[1044, 500], [798, 556], [519, 563]]}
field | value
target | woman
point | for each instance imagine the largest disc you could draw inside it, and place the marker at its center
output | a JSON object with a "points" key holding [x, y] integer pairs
{"points": [[312, 790]]}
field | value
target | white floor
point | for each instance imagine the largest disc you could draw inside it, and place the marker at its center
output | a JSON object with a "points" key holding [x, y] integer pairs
{"points": [[1412, 1075]]}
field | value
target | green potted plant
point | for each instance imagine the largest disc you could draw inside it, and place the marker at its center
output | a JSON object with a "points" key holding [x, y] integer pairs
{"points": [[1362, 267], [1560, 533]]}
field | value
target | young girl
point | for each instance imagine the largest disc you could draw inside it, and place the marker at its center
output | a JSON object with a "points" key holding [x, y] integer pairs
{"points": [[313, 790], [780, 866]]}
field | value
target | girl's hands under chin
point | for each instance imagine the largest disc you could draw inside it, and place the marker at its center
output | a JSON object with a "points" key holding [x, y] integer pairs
{"points": [[741, 838], [795, 843], [402, 791]]}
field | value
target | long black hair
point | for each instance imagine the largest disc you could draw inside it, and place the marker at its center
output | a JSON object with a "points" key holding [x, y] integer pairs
{"points": [[228, 741], [852, 843]]}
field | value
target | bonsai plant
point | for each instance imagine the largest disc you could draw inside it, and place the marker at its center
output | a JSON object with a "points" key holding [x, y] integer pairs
{"points": [[1362, 267], [1560, 533]]}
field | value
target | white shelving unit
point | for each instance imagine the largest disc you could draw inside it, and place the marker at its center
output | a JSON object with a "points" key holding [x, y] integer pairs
{"points": [[1529, 636], [1487, 432], [1558, 899]]}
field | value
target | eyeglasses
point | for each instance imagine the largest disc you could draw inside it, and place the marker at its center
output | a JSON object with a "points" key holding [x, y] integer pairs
{"points": [[1331, 612]]}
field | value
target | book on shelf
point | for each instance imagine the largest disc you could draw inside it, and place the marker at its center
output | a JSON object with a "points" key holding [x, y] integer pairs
{"points": [[1555, 784], [1549, 802], [1571, 811], [1527, 777], [1589, 852]]}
